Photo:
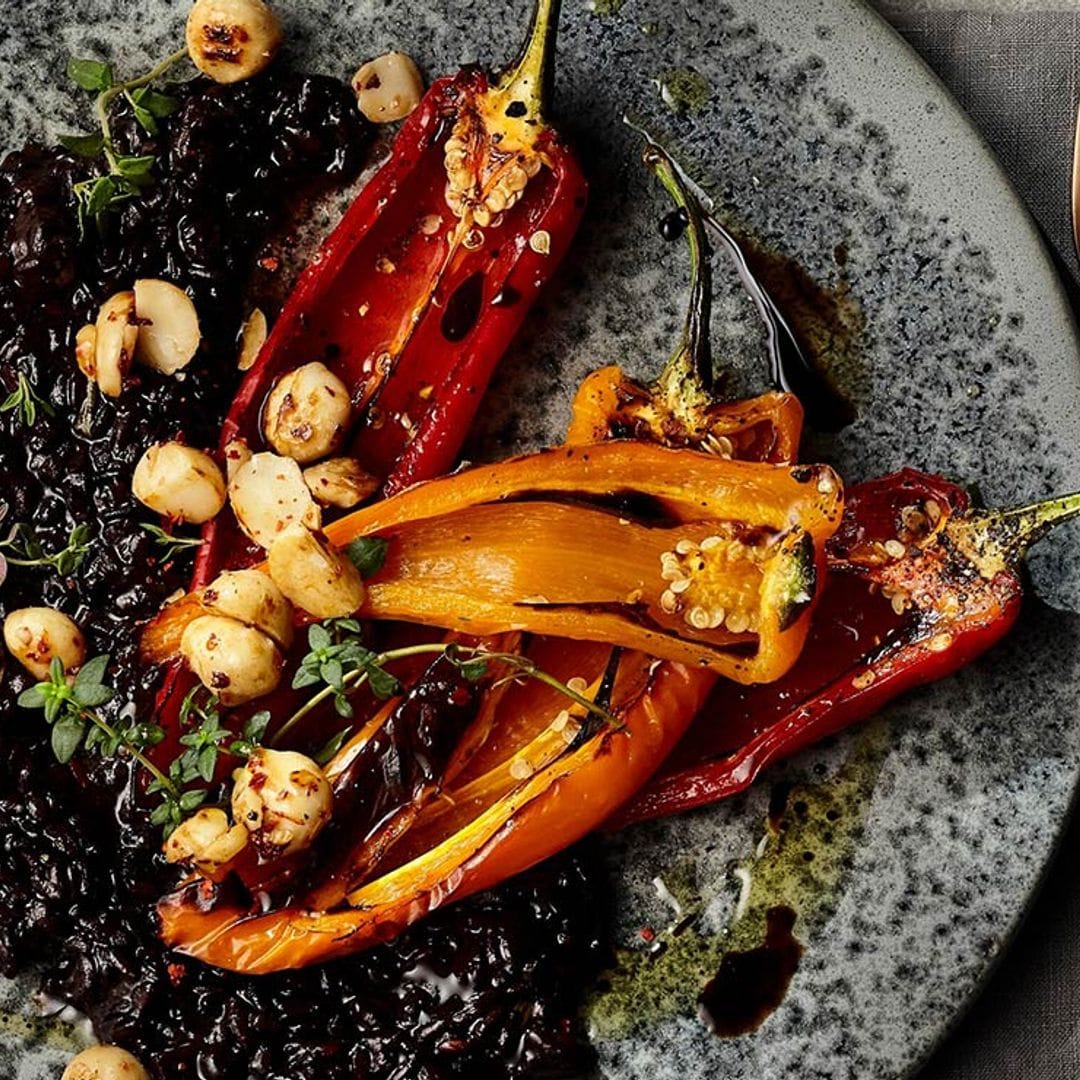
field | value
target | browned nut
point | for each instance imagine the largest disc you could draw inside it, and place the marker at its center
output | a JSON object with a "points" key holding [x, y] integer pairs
{"points": [[169, 333], [234, 661], [307, 413], [231, 40], [36, 636], [388, 88], [340, 482], [115, 338]]}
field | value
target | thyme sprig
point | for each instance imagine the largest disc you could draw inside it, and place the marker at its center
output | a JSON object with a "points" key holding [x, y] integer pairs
{"points": [[23, 548], [171, 544], [370, 668], [70, 707], [127, 174], [25, 401]]}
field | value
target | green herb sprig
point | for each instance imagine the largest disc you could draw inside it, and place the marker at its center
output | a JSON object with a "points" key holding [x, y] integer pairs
{"points": [[23, 548], [371, 669], [128, 174], [24, 401], [171, 544]]}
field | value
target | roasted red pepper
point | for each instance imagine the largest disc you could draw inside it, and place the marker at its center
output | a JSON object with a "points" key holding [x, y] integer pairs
{"points": [[415, 296], [919, 585]]}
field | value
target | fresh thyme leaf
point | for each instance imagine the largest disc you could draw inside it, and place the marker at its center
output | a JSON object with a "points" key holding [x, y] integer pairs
{"points": [[34, 698], [190, 800], [90, 75], [171, 545], [26, 402], [25, 549], [333, 745], [256, 726], [472, 670], [136, 169], [158, 105], [87, 146], [319, 637], [367, 554], [383, 684], [67, 736]]}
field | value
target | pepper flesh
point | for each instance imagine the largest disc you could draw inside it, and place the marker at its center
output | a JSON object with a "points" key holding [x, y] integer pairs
{"points": [[517, 545], [892, 618]]}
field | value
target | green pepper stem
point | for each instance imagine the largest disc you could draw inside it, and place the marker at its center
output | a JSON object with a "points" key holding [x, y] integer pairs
{"points": [[687, 378], [998, 540], [531, 76]]}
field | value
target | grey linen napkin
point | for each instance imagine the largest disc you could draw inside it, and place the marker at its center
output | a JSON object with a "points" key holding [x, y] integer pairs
{"points": [[1013, 65]]}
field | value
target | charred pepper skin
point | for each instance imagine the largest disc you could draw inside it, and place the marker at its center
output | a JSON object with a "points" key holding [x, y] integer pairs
{"points": [[931, 582]]}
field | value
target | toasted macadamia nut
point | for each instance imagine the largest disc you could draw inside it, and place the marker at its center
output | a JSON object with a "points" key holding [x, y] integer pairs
{"points": [[268, 494], [86, 350], [234, 661], [168, 326], [180, 482], [231, 40], [105, 1063], [116, 335], [252, 338], [307, 413], [340, 482], [251, 597], [315, 577], [237, 453], [283, 799], [207, 840], [388, 88], [37, 635]]}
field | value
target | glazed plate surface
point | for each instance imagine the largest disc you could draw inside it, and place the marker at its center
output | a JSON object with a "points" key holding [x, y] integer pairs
{"points": [[897, 245]]}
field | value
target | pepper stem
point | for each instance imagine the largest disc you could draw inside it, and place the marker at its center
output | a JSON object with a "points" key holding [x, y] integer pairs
{"points": [[687, 378], [531, 76], [997, 540]]}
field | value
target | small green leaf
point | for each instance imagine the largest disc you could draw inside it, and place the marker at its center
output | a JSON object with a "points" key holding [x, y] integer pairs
{"points": [[135, 166], [90, 74], [256, 726], [343, 707], [319, 637], [157, 104], [100, 195], [90, 675], [473, 670], [161, 813], [192, 799], [331, 673], [332, 746], [383, 684], [208, 757], [34, 698], [145, 119], [305, 677], [87, 146], [67, 736], [367, 554]]}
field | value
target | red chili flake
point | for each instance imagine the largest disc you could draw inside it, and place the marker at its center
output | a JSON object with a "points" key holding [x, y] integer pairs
{"points": [[271, 263], [648, 935]]}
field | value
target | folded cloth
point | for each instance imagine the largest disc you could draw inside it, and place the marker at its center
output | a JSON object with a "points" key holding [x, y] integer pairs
{"points": [[1014, 66]]}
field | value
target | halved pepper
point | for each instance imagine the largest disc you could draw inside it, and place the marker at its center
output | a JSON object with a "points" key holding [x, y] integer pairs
{"points": [[919, 584], [681, 554]]}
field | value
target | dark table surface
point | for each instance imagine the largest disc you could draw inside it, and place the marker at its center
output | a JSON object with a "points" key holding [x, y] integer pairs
{"points": [[1014, 66]]}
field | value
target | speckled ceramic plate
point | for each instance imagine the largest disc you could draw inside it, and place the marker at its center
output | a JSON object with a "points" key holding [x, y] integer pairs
{"points": [[910, 259]]}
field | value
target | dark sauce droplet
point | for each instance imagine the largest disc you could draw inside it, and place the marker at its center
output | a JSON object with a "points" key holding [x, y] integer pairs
{"points": [[749, 986], [463, 308], [673, 224], [507, 296]]}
